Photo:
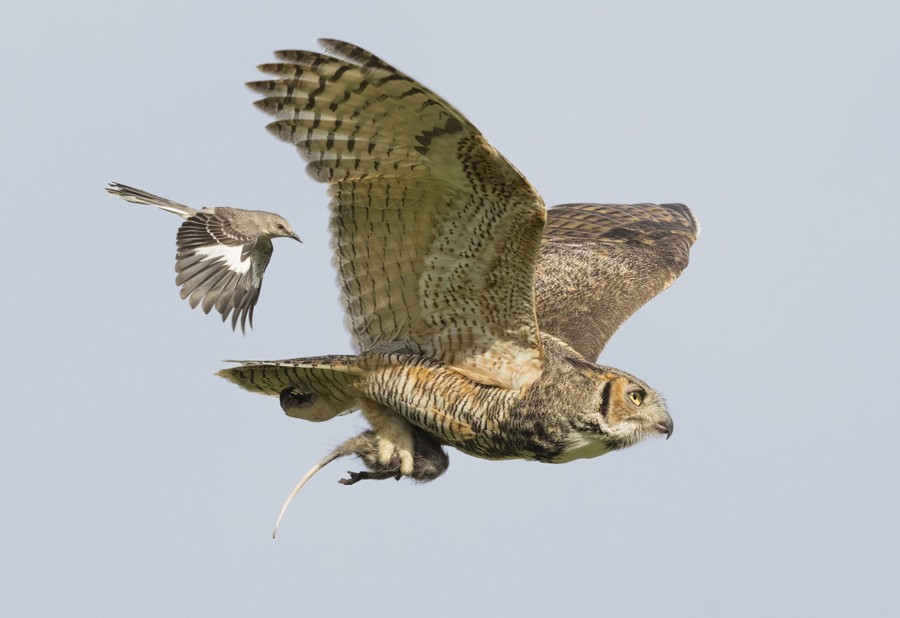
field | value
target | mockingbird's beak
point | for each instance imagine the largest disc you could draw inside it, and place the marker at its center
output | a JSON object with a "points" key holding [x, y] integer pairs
{"points": [[295, 237]]}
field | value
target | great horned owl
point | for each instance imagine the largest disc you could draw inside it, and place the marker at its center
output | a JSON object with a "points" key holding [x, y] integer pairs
{"points": [[476, 312]]}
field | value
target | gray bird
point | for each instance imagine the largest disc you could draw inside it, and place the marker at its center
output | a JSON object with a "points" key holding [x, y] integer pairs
{"points": [[477, 313], [222, 252]]}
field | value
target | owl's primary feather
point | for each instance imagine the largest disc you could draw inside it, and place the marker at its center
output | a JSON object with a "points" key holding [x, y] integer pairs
{"points": [[447, 270]]}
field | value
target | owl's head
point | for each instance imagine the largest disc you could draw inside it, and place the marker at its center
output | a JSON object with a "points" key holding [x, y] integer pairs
{"points": [[623, 411], [629, 410]]}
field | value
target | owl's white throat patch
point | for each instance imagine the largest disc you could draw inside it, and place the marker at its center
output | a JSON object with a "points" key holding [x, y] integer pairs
{"points": [[584, 446]]}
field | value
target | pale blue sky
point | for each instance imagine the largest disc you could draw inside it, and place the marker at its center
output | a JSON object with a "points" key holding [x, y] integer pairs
{"points": [[137, 483]]}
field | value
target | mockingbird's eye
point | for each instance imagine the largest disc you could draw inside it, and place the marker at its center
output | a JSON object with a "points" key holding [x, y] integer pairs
{"points": [[280, 227]]}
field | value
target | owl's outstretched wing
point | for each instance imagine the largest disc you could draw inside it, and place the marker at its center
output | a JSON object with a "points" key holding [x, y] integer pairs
{"points": [[435, 234], [599, 263]]}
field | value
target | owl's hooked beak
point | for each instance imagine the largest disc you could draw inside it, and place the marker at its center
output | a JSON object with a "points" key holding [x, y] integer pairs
{"points": [[666, 427]]}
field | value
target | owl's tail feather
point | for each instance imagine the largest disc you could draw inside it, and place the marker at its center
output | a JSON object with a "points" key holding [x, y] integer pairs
{"points": [[314, 389]]}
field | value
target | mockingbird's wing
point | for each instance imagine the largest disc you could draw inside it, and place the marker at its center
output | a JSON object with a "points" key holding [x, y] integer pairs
{"points": [[219, 266], [599, 263]]}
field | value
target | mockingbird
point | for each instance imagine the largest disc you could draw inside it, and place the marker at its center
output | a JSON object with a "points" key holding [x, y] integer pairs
{"points": [[222, 252]]}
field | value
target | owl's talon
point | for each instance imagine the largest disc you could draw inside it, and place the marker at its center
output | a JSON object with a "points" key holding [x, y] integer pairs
{"points": [[294, 402]]}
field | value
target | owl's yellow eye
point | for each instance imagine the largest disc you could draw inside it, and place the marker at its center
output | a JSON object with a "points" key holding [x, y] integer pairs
{"points": [[637, 397]]}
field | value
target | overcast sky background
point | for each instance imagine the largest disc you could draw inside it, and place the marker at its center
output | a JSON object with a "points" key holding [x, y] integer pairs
{"points": [[136, 483]]}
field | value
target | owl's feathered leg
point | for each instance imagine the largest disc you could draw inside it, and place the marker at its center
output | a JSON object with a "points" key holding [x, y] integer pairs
{"points": [[429, 462]]}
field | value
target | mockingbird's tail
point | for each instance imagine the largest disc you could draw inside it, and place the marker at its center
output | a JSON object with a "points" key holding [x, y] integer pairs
{"points": [[142, 197], [314, 389]]}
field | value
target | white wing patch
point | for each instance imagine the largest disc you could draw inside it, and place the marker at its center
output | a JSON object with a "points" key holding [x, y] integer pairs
{"points": [[215, 274], [229, 255]]}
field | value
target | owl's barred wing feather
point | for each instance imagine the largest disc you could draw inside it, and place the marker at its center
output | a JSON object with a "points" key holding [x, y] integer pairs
{"points": [[435, 234], [599, 263]]}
